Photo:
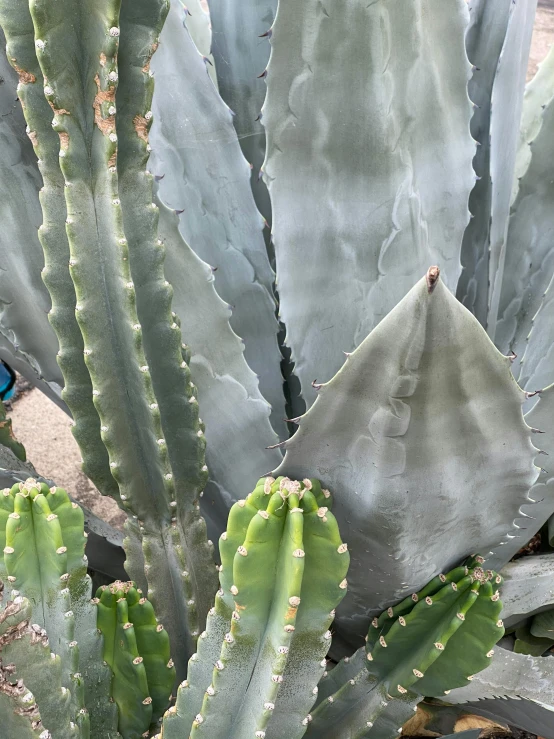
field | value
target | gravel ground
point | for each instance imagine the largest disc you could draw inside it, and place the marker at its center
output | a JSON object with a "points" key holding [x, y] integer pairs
{"points": [[44, 429]]}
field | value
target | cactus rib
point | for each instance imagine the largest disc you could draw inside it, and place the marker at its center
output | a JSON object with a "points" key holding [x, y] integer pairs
{"points": [[17, 23]]}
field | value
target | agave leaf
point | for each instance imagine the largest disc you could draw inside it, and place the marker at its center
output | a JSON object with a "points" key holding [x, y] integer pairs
{"points": [[529, 255], [368, 164], [24, 300], [484, 40], [233, 409], [507, 103], [241, 53], [528, 587], [202, 173], [422, 441], [528, 684], [538, 93], [538, 502], [200, 29], [536, 369]]}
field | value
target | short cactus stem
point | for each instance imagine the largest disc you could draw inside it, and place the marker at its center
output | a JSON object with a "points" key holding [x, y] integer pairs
{"points": [[420, 646], [453, 604], [137, 651]]}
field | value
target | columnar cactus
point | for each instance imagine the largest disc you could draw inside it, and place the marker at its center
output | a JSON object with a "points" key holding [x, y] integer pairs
{"points": [[463, 607], [282, 574], [136, 647], [138, 425], [29, 673], [43, 541], [431, 642]]}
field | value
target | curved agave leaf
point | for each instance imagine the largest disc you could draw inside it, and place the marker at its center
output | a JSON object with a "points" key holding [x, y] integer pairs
{"points": [[538, 94], [233, 409], [484, 40], [368, 164], [241, 54], [200, 29], [540, 419], [536, 369], [529, 264], [528, 587], [197, 157], [528, 684], [421, 438], [507, 103], [24, 299]]}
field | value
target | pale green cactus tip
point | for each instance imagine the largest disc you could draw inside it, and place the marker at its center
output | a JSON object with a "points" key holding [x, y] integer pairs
{"points": [[136, 647], [282, 575]]}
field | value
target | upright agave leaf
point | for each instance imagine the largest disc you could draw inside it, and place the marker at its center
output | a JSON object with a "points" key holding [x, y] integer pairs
{"points": [[203, 175], [200, 29], [484, 40], [538, 93], [507, 103], [241, 53], [368, 163], [526, 309], [235, 413], [421, 439]]}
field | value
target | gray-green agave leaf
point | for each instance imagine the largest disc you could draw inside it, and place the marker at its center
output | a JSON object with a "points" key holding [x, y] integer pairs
{"points": [[421, 430], [368, 164]]}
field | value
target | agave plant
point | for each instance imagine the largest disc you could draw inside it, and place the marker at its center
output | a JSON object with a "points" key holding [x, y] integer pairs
{"points": [[381, 123]]}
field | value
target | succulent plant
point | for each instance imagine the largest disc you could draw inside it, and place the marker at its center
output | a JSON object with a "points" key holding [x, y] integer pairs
{"points": [[370, 164]]}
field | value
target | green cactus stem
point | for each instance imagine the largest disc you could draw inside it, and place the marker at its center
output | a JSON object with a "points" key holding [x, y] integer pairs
{"points": [[429, 643], [79, 41], [437, 639], [26, 662], [183, 431], [43, 539], [282, 575], [136, 647], [16, 21]]}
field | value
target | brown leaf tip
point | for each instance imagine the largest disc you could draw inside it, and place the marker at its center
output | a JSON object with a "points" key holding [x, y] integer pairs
{"points": [[432, 277]]}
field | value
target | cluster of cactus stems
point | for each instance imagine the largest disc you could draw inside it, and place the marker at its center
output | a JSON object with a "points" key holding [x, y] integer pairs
{"points": [[86, 92], [87, 667], [136, 647]]}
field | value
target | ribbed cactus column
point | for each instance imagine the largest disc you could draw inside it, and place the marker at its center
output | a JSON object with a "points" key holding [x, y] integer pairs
{"points": [[141, 23], [277, 612], [431, 642], [77, 44], [43, 539], [26, 660], [136, 648], [16, 21]]}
